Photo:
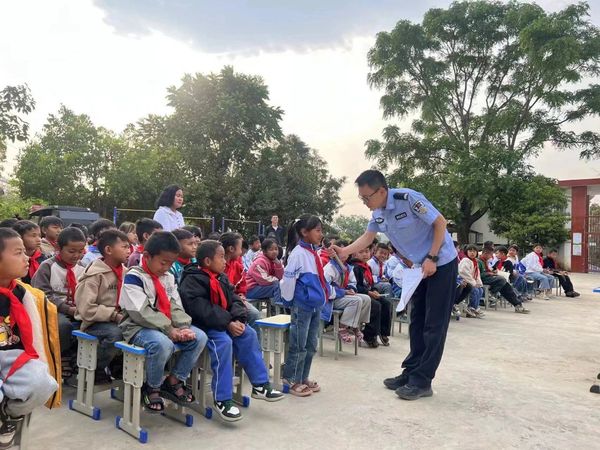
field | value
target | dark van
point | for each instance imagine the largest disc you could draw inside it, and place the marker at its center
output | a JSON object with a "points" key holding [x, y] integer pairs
{"points": [[68, 214]]}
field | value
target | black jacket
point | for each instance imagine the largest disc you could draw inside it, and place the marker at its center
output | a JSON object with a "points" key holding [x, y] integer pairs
{"points": [[362, 286], [279, 233], [194, 290]]}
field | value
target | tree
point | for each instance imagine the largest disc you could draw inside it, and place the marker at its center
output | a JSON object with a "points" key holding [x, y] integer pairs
{"points": [[530, 210], [14, 102], [491, 82], [13, 206], [350, 227]]}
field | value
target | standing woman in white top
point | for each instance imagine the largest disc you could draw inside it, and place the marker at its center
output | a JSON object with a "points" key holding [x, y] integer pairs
{"points": [[170, 200]]}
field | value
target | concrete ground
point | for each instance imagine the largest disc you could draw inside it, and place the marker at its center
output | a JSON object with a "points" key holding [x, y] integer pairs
{"points": [[506, 381]]}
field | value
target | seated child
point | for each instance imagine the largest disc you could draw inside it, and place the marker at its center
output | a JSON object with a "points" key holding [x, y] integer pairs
{"points": [[28, 344], [503, 263], [552, 266], [356, 307], [234, 269], [57, 277], [395, 260], [153, 318], [143, 230], [196, 232], [380, 323], [97, 298], [129, 229], [96, 229], [32, 239], [468, 270], [189, 246], [208, 297], [328, 241], [497, 283], [534, 269], [377, 264], [50, 226], [253, 252], [265, 273]]}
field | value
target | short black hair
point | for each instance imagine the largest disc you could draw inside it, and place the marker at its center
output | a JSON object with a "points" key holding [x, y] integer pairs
{"points": [[182, 234], [108, 238], [502, 249], [471, 247], [167, 196], [80, 226], [456, 244], [245, 244], [99, 226], [253, 239], [146, 225], [489, 245], [553, 251], [383, 246], [213, 236], [196, 231], [162, 241], [515, 246], [49, 221], [23, 226], [372, 178], [267, 243], [127, 227], [5, 235], [8, 223], [207, 249], [68, 235], [342, 243], [230, 239]]}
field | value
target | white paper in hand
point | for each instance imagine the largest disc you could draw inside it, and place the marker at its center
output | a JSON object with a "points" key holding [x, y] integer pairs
{"points": [[410, 280]]}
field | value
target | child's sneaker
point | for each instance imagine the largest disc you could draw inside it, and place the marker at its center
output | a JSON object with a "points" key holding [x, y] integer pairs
{"points": [[228, 411], [8, 430], [266, 392], [521, 310], [479, 313], [470, 312]]}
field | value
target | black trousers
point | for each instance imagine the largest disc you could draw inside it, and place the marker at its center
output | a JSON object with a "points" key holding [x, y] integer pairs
{"points": [[431, 307], [462, 292], [499, 284], [380, 323], [565, 283]]}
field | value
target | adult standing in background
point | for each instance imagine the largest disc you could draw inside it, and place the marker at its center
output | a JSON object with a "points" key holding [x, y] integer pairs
{"points": [[418, 231], [167, 214], [276, 230]]}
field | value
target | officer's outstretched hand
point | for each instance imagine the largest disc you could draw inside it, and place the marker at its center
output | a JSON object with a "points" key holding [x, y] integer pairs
{"points": [[340, 251], [429, 268]]}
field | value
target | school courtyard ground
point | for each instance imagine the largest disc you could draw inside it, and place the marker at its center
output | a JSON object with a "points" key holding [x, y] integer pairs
{"points": [[506, 381]]}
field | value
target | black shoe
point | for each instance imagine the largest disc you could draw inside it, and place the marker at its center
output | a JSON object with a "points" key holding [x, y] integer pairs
{"points": [[266, 392], [102, 377], [396, 382], [228, 411], [8, 430], [412, 392]]}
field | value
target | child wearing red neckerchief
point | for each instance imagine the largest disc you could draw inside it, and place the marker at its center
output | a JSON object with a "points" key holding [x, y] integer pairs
{"points": [[32, 239], [189, 245], [143, 229]]}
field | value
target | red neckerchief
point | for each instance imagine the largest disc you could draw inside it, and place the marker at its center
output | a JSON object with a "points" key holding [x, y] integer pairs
{"points": [[118, 271], [500, 264], [34, 264], [53, 244], [541, 260], [217, 296], [368, 273], [319, 265], [140, 248], [345, 273], [19, 317], [163, 302], [71, 280], [475, 267], [184, 261]]}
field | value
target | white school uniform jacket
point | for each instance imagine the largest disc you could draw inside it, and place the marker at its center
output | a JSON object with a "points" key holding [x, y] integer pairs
{"points": [[466, 272], [377, 268], [532, 263]]}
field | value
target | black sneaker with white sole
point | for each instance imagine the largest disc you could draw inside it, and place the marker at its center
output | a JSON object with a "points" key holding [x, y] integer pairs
{"points": [[8, 430], [266, 392], [228, 411]]}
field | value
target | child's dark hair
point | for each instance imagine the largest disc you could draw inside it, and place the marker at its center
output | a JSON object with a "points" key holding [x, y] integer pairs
{"points": [[108, 238], [207, 249], [471, 247], [8, 223], [162, 241], [488, 245], [383, 246], [342, 243], [81, 227], [515, 246], [253, 239], [182, 234], [372, 178], [230, 239], [146, 225], [196, 231], [23, 226], [167, 196], [502, 249], [6, 234], [68, 235], [99, 226], [48, 221], [245, 245], [213, 236], [267, 243], [127, 227], [306, 222]]}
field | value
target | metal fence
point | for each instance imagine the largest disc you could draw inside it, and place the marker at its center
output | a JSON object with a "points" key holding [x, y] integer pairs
{"points": [[120, 215]]}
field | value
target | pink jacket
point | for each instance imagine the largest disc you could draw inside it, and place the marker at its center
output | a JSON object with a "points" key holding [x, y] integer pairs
{"points": [[263, 272]]}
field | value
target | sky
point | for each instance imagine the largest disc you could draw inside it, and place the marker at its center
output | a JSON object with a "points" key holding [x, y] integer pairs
{"points": [[114, 59]]}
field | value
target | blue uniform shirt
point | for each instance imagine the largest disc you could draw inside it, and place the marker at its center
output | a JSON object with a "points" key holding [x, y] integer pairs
{"points": [[407, 222]]}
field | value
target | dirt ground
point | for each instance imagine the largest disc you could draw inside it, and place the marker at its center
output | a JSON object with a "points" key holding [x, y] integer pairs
{"points": [[506, 381]]}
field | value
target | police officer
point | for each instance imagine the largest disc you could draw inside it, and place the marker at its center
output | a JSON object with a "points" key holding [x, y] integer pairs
{"points": [[418, 231]]}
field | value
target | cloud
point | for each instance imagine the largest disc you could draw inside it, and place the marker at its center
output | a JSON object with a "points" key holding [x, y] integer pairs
{"points": [[251, 26]]}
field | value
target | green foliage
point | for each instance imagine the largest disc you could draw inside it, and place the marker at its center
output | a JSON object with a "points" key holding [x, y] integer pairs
{"points": [[350, 227], [491, 82], [14, 102], [13, 206], [530, 210]]}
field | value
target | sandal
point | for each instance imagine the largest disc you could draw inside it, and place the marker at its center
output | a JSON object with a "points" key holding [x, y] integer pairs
{"points": [[152, 400], [358, 335], [300, 390], [345, 335], [313, 385], [178, 392]]}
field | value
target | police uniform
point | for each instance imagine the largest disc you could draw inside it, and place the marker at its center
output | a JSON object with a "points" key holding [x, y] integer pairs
{"points": [[407, 221]]}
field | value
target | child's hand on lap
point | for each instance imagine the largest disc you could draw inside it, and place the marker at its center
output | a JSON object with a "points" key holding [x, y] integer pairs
{"points": [[186, 334], [236, 328], [72, 311], [350, 292]]}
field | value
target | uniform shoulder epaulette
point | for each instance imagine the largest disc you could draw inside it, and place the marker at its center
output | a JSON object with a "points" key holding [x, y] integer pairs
{"points": [[401, 196]]}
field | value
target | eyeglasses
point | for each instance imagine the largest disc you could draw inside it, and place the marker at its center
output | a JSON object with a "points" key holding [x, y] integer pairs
{"points": [[366, 198]]}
